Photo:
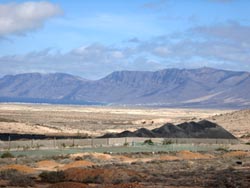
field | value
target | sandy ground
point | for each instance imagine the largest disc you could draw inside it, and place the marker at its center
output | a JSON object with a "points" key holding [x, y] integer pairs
{"points": [[25, 118]]}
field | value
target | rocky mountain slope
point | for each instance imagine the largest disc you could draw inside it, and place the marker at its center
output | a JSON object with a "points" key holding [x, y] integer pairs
{"points": [[204, 87]]}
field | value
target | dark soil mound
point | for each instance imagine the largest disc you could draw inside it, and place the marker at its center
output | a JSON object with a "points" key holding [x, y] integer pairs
{"points": [[68, 185], [202, 129]]}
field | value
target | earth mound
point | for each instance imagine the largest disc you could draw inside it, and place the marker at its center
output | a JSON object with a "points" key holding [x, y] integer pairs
{"points": [[100, 175], [201, 129], [47, 165], [80, 163], [20, 168]]}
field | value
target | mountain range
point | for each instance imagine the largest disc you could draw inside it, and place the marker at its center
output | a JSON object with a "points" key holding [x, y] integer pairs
{"points": [[203, 87]]}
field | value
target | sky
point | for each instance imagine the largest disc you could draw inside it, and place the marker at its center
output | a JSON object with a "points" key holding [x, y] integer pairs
{"points": [[92, 38]]}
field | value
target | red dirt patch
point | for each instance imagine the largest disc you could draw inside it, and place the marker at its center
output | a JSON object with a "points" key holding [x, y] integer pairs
{"points": [[20, 168], [236, 154], [188, 155], [47, 163], [3, 183], [101, 156], [168, 158], [75, 164], [101, 175], [123, 158]]}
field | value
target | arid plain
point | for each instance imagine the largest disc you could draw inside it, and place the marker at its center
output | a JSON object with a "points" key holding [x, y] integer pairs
{"points": [[96, 120]]}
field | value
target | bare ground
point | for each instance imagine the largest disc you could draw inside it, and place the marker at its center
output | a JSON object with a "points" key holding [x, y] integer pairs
{"points": [[181, 169], [95, 121]]}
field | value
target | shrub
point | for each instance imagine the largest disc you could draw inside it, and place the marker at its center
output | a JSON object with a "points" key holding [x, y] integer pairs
{"points": [[16, 178], [52, 177], [166, 142], [126, 144], [93, 179], [7, 155], [63, 145], [6, 174], [78, 158], [225, 149], [149, 142], [21, 180]]}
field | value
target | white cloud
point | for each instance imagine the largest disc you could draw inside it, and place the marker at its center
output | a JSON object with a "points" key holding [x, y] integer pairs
{"points": [[98, 53], [117, 54], [228, 42], [232, 31], [218, 46], [161, 51], [92, 61], [23, 17]]}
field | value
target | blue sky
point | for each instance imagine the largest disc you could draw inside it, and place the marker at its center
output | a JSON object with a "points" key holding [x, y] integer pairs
{"points": [[92, 38]]}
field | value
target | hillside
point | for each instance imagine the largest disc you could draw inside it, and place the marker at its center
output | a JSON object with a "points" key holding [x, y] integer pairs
{"points": [[236, 122], [204, 87]]}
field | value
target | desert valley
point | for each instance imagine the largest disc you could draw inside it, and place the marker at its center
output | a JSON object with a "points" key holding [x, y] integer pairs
{"points": [[125, 94]]}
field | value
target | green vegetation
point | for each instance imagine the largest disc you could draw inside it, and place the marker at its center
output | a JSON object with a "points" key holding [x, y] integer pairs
{"points": [[7, 120], [6, 174], [148, 142], [7, 155], [16, 178], [63, 145], [166, 142], [126, 144], [52, 177], [224, 148], [245, 135], [94, 179]]}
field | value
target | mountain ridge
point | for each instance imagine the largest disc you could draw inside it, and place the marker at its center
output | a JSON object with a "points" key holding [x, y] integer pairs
{"points": [[200, 87]]}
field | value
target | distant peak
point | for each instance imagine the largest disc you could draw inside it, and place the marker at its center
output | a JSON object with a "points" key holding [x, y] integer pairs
{"points": [[207, 69], [37, 75]]}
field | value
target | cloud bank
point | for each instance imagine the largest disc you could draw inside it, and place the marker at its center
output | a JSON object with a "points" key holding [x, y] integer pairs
{"points": [[220, 46], [19, 18]]}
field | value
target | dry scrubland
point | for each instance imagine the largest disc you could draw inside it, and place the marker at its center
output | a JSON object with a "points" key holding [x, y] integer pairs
{"points": [[176, 169], [95, 121], [219, 168]]}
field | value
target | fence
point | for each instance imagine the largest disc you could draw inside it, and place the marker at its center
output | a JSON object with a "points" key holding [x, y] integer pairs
{"points": [[103, 142]]}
